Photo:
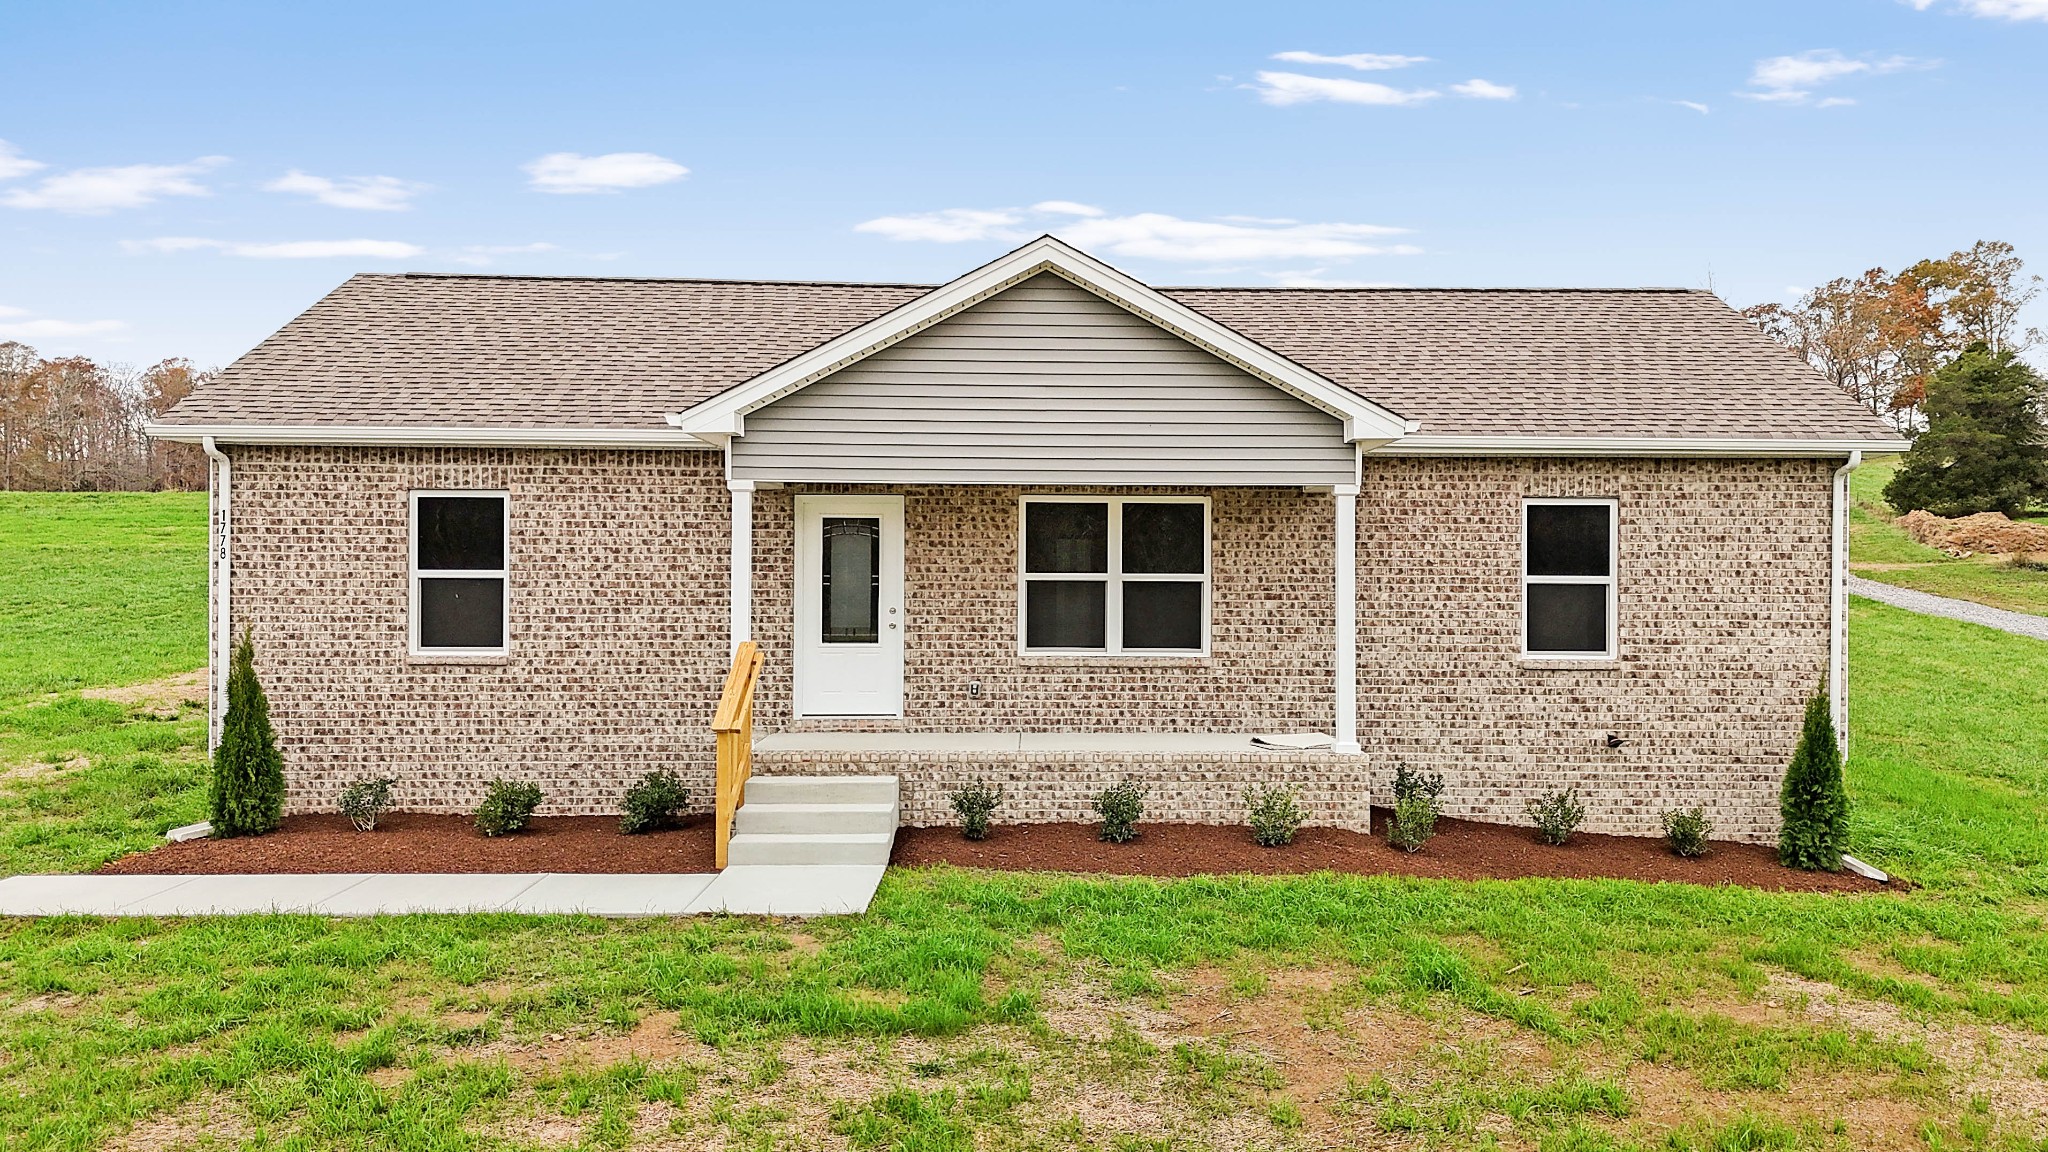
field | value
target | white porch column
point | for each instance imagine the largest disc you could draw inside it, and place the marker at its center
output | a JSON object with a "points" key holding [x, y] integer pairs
{"points": [[742, 561], [1347, 619]]}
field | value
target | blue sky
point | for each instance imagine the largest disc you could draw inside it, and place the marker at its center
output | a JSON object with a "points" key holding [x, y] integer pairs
{"points": [[181, 178]]}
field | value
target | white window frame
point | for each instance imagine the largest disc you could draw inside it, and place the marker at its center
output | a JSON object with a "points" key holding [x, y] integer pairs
{"points": [[1612, 580], [1115, 577], [414, 576]]}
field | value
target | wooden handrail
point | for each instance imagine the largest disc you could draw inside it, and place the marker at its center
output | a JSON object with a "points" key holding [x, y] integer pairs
{"points": [[734, 726]]}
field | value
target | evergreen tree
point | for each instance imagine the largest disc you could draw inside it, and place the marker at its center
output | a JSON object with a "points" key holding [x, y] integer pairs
{"points": [[247, 797], [1983, 450], [1815, 802]]}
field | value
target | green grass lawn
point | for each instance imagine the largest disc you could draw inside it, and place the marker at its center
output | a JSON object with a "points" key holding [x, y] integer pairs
{"points": [[1880, 550], [100, 588], [978, 1010]]}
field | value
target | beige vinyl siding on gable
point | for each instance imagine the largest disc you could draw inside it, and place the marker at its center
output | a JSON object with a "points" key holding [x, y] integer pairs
{"points": [[1044, 383]]}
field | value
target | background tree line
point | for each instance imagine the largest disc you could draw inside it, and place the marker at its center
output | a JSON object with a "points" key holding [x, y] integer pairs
{"points": [[1935, 350], [74, 425], [1882, 336]]}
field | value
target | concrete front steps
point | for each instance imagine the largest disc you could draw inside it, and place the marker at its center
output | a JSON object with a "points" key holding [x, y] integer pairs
{"points": [[816, 820]]}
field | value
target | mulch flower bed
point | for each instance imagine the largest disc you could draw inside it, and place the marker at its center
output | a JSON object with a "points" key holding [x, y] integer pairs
{"points": [[417, 842], [1462, 850]]}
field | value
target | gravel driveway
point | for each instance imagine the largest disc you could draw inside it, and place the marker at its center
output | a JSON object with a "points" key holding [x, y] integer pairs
{"points": [[1927, 603]]}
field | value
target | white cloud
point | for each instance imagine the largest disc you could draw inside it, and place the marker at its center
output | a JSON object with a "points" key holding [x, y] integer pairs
{"points": [[1478, 89], [1994, 9], [97, 191], [365, 193], [947, 225], [47, 328], [1361, 61], [483, 254], [284, 250], [569, 172], [1695, 105], [1835, 102], [1283, 88], [13, 163], [1314, 278], [1066, 208], [1792, 79], [1150, 235]]}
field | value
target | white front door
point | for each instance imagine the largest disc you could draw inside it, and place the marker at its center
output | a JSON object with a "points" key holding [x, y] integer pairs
{"points": [[849, 605]]}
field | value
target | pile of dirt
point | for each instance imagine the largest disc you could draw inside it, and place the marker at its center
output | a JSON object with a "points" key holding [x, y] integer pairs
{"points": [[1462, 850], [1989, 532], [418, 842]]}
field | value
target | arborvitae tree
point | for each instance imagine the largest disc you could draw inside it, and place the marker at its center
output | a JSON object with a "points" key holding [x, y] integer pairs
{"points": [[1815, 802], [1983, 450], [247, 797]]}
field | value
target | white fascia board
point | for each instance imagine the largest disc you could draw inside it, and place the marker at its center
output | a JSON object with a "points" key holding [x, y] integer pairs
{"points": [[373, 437], [1628, 446], [722, 414]]}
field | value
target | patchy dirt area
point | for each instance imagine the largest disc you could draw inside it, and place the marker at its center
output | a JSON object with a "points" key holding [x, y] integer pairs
{"points": [[417, 842], [160, 699], [1462, 850]]}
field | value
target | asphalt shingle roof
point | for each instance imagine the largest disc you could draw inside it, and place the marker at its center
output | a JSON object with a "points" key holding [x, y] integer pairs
{"points": [[542, 352]]}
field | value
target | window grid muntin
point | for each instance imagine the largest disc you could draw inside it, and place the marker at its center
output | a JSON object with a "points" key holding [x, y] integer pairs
{"points": [[415, 574], [1113, 619], [1611, 581]]}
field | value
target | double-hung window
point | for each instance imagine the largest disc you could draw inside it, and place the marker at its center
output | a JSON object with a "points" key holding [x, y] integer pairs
{"points": [[458, 573], [1568, 562], [1115, 575]]}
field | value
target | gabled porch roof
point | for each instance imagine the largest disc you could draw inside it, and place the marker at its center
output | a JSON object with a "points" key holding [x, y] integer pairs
{"points": [[725, 415]]}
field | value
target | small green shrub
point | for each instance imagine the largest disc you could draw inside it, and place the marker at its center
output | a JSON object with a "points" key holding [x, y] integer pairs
{"points": [[1815, 802], [1556, 814], [657, 801], [365, 800], [975, 804], [1687, 831], [246, 797], [507, 808], [1415, 808], [1120, 806], [1275, 815]]}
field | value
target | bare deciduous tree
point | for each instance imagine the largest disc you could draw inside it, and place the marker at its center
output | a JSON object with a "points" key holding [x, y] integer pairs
{"points": [[75, 425]]}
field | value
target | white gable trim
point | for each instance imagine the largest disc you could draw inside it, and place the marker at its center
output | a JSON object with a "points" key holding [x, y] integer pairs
{"points": [[725, 414]]}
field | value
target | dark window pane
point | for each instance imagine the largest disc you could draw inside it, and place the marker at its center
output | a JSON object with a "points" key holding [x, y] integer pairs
{"points": [[1567, 618], [1569, 540], [462, 613], [852, 566], [1162, 614], [1062, 537], [1163, 538], [461, 532], [1065, 614]]}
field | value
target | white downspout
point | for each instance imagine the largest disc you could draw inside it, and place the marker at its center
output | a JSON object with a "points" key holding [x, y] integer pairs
{"points": [[1838, 607], [220, 645], [1346, 566]]}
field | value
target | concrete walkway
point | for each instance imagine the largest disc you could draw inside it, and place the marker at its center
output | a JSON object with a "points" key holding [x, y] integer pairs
{"points": [[810, 890], [1928, 604]]}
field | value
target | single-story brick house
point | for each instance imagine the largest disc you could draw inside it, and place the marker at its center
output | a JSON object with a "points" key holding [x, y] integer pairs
{"points": [[1045, 524]]}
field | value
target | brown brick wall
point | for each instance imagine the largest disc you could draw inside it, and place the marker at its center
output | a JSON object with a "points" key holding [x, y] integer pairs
{"points": [[1723, 590], [618, 633], [617, 624]]}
